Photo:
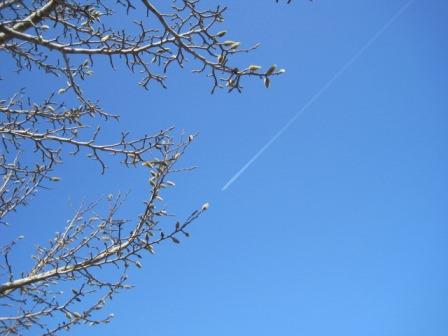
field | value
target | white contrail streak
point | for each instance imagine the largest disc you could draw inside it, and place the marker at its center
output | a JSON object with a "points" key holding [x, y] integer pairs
{"points": [[317, 95]]}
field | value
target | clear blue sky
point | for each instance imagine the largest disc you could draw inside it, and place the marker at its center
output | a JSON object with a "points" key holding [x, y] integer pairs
{"points": [[340, 228]]}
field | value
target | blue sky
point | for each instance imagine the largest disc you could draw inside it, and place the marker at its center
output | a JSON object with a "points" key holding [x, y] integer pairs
{"points": [[339, 228]]}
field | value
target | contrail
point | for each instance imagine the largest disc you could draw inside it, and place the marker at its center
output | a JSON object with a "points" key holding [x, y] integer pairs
{"points": [[317, 95]]}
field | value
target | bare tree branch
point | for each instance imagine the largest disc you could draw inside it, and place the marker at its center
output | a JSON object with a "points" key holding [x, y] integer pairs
{"points": [[66, 285]]}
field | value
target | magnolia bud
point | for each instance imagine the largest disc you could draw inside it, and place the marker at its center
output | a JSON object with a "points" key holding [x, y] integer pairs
{"points": [[271, 70]]}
